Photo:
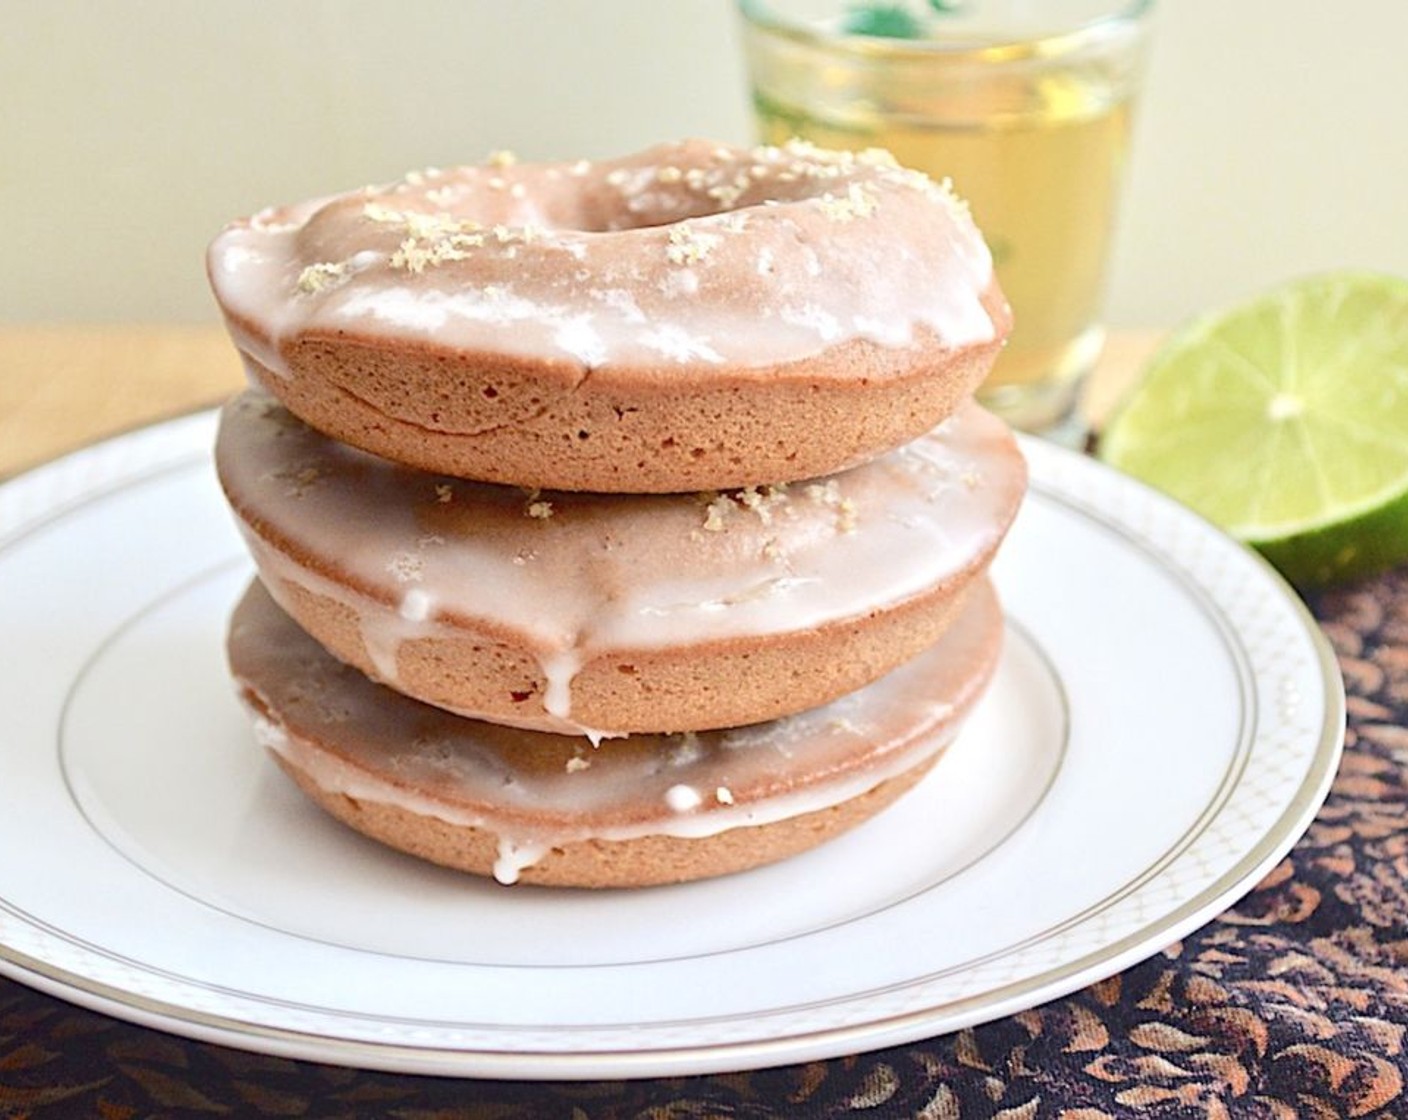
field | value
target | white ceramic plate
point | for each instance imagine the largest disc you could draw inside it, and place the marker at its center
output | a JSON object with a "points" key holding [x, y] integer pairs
{"points": [[1165, 723]]}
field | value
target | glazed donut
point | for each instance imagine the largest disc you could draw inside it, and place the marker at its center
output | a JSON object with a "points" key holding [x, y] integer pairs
{"points": [[555, 810], [610, 614], [693, 317]]}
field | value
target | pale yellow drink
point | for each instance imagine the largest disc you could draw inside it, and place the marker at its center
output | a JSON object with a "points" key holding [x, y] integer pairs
{"points": [[1035, 141]]}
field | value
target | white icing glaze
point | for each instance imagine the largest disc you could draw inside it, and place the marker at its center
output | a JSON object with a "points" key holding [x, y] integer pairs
{"points": [[559, 668], [412, 555], [752, 257], [536, 791], [514, 858], [682, 798]]}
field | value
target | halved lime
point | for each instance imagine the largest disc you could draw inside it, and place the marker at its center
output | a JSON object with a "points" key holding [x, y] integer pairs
{"points": [[1285, 421]]}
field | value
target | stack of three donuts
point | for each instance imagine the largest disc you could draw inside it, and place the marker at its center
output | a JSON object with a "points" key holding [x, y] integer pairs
{"points": [[616, 523]]}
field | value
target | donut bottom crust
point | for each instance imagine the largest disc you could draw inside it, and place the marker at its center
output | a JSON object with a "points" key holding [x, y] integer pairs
{"points": [[687, 688], [490, 419], [652, 860]]}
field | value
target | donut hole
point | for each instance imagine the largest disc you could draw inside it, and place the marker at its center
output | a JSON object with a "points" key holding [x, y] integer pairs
{"points": [[647, 209], [630, 196]]}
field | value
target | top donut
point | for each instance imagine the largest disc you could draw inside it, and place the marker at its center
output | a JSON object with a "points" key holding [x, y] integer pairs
{"points": [[692, 317]]}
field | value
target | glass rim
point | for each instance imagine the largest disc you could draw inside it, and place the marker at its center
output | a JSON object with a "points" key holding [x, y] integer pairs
{"points": [[760, 14]]}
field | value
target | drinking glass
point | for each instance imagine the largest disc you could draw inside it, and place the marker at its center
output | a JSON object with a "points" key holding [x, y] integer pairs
{"points": [[1025, 105]]}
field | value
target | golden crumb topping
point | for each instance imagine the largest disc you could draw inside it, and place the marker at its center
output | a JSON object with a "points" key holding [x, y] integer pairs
{"points": [[536, 506], [760, 501], [300, 479], [517, 235], [689, 244], [716, 513], [857, 202], [325, 274], [407, 567], [829, 494]]}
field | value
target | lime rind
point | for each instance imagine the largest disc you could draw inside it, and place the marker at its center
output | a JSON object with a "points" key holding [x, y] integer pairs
{"points": [[1352, 549], [1285, 421]]}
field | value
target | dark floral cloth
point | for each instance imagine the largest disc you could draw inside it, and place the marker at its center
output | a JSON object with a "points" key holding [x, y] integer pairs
{"points": [[1294, 1003]]}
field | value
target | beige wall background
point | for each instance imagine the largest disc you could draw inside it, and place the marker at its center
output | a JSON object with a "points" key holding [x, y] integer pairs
{"points": [[1272, 139]]}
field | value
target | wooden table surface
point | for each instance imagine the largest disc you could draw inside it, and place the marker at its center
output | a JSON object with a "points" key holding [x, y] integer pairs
{"points": [[64, 386]]}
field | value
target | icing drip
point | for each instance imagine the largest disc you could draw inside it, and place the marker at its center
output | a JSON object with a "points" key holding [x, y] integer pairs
{"points": [[683, 798], [514, 857], [558, 670], [382, 643]]}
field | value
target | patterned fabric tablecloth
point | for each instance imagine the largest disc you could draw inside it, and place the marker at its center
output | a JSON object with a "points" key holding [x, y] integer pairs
{"points": [[1294, 1003]]}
